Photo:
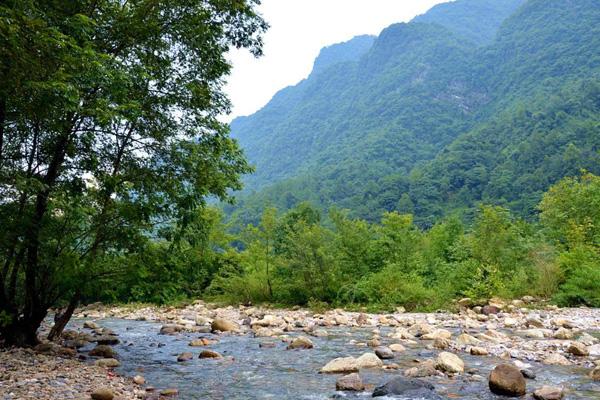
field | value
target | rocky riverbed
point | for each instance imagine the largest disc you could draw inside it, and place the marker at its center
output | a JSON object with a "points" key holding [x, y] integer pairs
{"points": [[202, 351]]}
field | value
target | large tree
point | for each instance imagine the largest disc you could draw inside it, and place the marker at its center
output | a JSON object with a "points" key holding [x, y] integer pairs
{"points": [[108, 126]]}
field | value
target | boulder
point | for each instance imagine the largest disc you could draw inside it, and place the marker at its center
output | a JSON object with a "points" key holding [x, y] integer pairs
{"points": [[397, 348], [423, 370], [578, 349], [465, 302], [466, 339], [556, 359], [209, 354], [107, 340], [103, 351], [369, 360], [351, 383], [534, 322], [201, 342], [490, 310], [534, 333], [139, 380], [449, 362], [385, 353], [441, 344], [374, 342], [478, 351], [595, 374], [91, 325], [185, 357], [223, 325], [362, 319], [437, 334], [548, 393], [340, 365], [406, 387], [507, 380], [169, 392], [301, 342], [103, 394], [107, 363]]}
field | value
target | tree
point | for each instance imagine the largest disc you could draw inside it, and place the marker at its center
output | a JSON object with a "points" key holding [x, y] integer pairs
{"points": [[108, 128]]}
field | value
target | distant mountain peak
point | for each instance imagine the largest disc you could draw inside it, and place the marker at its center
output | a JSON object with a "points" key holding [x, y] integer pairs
{"points": [[351, 50]]}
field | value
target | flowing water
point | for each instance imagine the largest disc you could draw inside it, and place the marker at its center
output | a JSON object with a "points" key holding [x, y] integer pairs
{"points": [[248, 371]]}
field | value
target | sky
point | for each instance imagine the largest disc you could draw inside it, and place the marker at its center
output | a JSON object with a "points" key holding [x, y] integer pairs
{"points": [[299, 29]]}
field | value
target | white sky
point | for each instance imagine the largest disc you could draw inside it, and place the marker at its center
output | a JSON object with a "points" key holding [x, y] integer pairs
{"points": [[299, 29]]}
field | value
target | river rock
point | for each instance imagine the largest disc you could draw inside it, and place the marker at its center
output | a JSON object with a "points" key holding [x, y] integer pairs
{"points": [[406, 387], [441, 344], [369, 360], [449, 362], [578, 349], [185, 357], [223, 325], [437, 334], [507, 380], [556, 359], [103, 351], [103, 394], [397, 348], [534, 333], [139, 380], [107, 340], [209, 354], [301, 342], [423, 370], [169, 392], [375, 342], [91, 325], [340, 365], [466, 302], [421, 328], [548, 393], [385, 353], [201, 342], [490, 310], [478, 351], [351, 382], [595, 374], [534, 322], [563, 334], [107, 363], [468, 340]]}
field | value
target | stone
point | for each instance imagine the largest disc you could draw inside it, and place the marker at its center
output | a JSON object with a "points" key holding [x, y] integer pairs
{"points": [[139, 380], [107, 340], [534, 333], [362, 319], [510, 322], [169, 392], [528, 374], [369, 360], [223, 325], [423, 370], [374, 342], [351, 383], [103, 394], [578, 349], [201, 342], [185, 357], [478, 351], [301, 342], [449, 362], [437, 334], [406, 387], [556, 359], [563, 334], [595, 374], [507, 380], [466, 339], [534, 322], [107, 363], [102, 351], [397, 348], [465, 302], [209, 354], [340, 365], [528, 299], [490, 310], [384, 353], [441, 344], [548, 393], [421, 328], [91, 325]]}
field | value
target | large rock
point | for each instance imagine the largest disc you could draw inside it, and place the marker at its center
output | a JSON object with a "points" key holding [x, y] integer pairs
{"points": [[578, 349], [103, 351], [556, 359], [369, 360], [449, 362], [548, 393], [563, 334], [107, 363], [385, 353], [351, 382], [103, 394], [397, 348], [595, 374], [107, 340], [171, 329], [507, 380], [406, 387], [301, 342], [91, 325], [185, 357], [340, 365], [224, 325], [468, 340], [423, 370], [437, 334], [209, 354]]}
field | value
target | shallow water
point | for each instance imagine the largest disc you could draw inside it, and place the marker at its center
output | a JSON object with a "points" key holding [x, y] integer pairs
{"points": [[251, 372]]}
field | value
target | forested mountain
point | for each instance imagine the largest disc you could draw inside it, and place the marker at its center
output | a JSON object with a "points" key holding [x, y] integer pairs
{"points": [[475, 101]]}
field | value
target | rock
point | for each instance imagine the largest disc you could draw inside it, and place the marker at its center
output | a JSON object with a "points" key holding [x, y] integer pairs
{"points": [[107, 363], [563, 323], [578, 349], [201, 342], [437, 334], [468, 340], [490, 310], [171, 329], [46, 348], [595, 374], [534, 333], [224, 325], [465, 302], [385, 353], [103, 394], [91, 325], [369, 360], [528, 374], [301, 342], [528, 299], [510, 322], [563, 334], [478, 351], [421, 328], [374, 342], [397, 348], [351, 382], [102, 351], [406, 387], [441, 344], [75, 343], [362, 319], [449, 362], [556, 359], [548, 393], [169, 392], [507, 380], [185, 357], [107, 340], [340, 365], [267, 345], [209, 354], [534, 322], [423, 370], [139, 380]]}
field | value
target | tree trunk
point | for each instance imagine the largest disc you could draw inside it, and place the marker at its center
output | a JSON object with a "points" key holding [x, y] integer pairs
{"points": [[22, 332], [63, 318]]}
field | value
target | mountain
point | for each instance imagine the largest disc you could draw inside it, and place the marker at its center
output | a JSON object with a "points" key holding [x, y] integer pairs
{"points": [[474, 101]]}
